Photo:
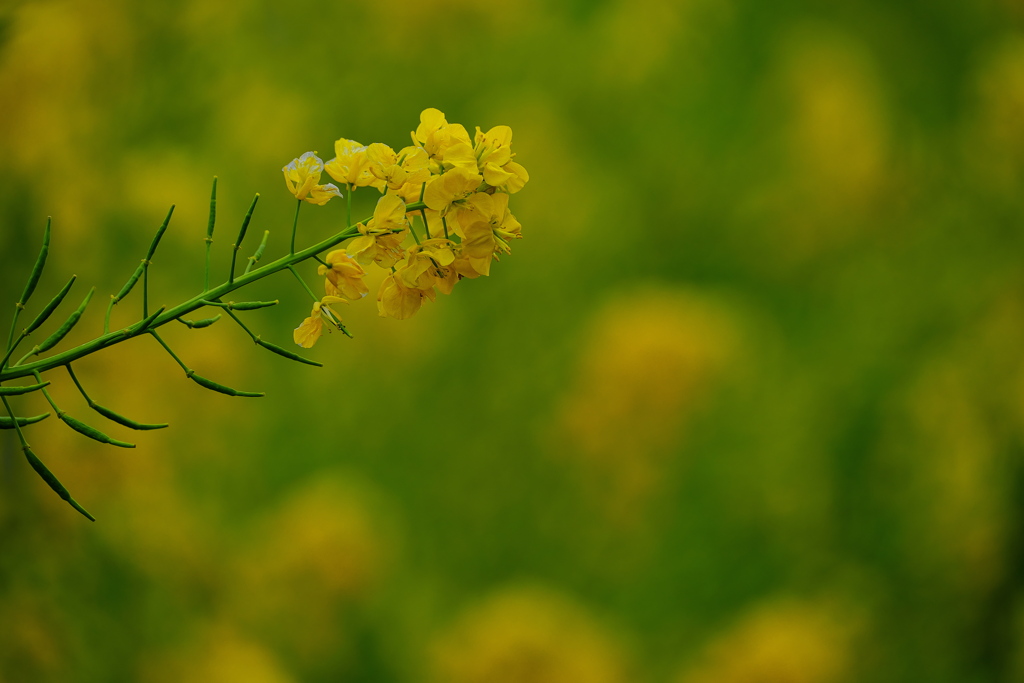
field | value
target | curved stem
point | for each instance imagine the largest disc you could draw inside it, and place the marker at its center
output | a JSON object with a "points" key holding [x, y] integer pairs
{"points": [[116, 337]]}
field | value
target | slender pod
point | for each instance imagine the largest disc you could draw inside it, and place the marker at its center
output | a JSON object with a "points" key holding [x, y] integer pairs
{"points": [[286, 353], [242, 305], [91, 432], [125, 421], [39, 320], [198, 324], [50, 307], [258, 254], [159, 235], [37, 269], [17, 391], [213, 386], [209, 233], [213, 211], [53, 482], [63, 330], [131, 282], [107, 412], [40, 468], [241, 236], [9, 422]]}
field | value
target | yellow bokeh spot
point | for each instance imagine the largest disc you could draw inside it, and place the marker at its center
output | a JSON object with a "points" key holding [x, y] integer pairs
{"points": [[648, 364], [528, 634], [781, 642]]}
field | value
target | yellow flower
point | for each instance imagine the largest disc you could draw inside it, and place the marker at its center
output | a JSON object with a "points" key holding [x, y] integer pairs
{"points": [[302, 176], [519, 177], [381, 237], [311, 328], [344, 276], [487, 230], [435, 135], [451, 189], [399, 301], [350, 165], [426, 263], [395, 170], [493, 151], [490, 155], [494, 156]]}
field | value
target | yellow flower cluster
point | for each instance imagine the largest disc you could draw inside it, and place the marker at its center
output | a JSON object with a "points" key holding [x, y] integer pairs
{"points": [[443, 215]]}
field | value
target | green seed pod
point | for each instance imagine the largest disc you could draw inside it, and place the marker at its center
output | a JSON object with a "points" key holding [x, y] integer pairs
{"points": [[254, 259], [91, 432], [61, 332], [213, 386], [159, 235], [37, 269], [17, 391], [245, 221], [213, 211], [51, 307], [286, 353], [53, 482], [131, 283], [122, 420], [8, 423], [199, 324], [143, 324], [250, 305]]}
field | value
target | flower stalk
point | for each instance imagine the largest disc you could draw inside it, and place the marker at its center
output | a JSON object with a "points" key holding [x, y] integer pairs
{"points": [[457, 185]]}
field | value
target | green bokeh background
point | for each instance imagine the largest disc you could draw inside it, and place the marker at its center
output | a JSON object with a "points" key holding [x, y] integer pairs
{"points": [[745, 404]]}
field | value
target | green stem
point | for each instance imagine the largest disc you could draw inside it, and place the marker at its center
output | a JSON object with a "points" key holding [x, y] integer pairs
{"points": [[110, 308], [74, 378], [295, 225], [209, 231], [423, 212], [17, 427], [113, 338], [7, 357], [167, 348], [18, 308], [348, 203], [303, 283], [49, 399]]}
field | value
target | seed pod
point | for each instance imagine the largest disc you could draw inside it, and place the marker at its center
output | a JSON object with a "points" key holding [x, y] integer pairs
{"points": [[245, 221], [250, 305], [146, 322], [199, 324], [37, 269], [131, 282], [254, 259], [8, 423], [213, 211], [159, 234], [51, 307], [17, 391], [286, 353], [122, 420], [213, 386], [241, 236], [53, 482], [62, 331], [92, 432]]}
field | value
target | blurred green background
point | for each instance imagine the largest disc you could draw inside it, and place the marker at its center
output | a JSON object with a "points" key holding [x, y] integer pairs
{"points": [[745, 405]]}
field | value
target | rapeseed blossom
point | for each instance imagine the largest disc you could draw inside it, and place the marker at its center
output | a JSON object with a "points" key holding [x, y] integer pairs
{"points": [[302, 176], [311, 328], [443, 215]]}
